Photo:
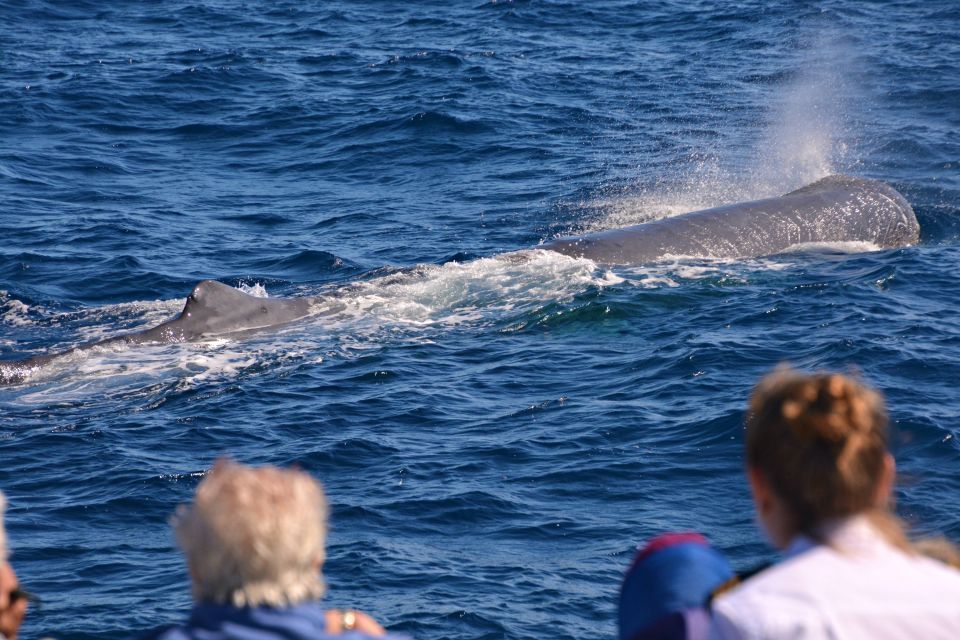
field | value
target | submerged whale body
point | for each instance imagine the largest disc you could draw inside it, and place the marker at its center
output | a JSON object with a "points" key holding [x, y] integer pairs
{"points": [[834, 209]]}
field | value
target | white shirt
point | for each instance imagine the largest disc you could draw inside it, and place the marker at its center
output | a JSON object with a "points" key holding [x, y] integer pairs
{"points": [[858, 587]]}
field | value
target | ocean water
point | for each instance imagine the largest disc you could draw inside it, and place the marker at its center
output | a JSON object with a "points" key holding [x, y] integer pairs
{"points": [[496, 436]]}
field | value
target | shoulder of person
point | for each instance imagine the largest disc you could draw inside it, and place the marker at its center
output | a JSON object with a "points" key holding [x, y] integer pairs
{"points": [[772, 601], [165, 632], [943, 574], [765, 620]]}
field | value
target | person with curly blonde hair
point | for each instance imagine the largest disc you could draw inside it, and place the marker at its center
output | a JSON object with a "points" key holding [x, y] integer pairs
{"points": [[821, 475], [254, 539]]}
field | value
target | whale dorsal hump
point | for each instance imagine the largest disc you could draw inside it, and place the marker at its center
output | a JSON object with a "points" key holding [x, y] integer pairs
{"points": [[211, 295], [214, 307]]}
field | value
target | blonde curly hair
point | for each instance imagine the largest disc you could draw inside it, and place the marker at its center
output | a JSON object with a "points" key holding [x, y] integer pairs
{"points": [[254, 536]]}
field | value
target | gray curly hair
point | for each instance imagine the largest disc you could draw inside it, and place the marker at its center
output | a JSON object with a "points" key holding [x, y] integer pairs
{"points": [[254, 536]]}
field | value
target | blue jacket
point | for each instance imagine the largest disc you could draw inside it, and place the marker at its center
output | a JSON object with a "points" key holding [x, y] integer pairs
{"points": [[224, 622]]}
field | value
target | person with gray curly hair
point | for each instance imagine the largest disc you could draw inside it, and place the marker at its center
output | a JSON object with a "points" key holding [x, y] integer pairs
{"points": [[254, 540]]}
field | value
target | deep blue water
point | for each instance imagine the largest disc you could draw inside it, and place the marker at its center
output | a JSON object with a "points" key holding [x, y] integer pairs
{"points": [[496, 437]]}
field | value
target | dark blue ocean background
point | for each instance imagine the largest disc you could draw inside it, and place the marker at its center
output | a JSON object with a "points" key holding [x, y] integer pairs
{"points": [[496, 436]]}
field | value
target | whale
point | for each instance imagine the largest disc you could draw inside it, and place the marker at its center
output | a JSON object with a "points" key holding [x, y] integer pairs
{"points": [[212, 309], [834, 209]]}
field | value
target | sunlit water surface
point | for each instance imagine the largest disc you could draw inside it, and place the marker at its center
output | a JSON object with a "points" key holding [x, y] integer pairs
{"points": [[496, 433]]}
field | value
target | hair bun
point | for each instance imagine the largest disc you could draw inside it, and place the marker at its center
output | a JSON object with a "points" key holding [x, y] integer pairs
{"points": [[821, 440], [830, 408]]}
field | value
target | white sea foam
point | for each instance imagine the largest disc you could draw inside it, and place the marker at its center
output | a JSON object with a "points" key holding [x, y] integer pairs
{"points": [[116, 371], [99, 323], [14, 312], [255, 289], [456, 293]]}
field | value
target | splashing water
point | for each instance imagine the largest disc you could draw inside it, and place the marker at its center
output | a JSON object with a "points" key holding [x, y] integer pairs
{"points": [[481, 290], [808, 132]]}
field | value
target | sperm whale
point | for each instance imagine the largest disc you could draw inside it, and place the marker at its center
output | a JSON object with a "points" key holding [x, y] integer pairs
{"points": [[834, 209], [211, 309]]}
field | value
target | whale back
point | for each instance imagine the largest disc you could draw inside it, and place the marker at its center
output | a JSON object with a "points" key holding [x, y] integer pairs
{"points": [[214, 308], [834, 209]]}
